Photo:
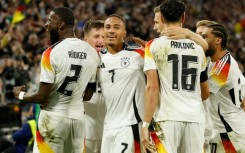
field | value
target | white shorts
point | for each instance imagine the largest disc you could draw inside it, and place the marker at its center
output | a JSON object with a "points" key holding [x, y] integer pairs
{"points": [[58, 134], [125, 139], [180, 137], [92, 146], [227, 142]]}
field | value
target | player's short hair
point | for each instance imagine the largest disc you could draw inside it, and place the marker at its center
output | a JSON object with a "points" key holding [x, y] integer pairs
{"points": [[92, 24], [157, 9], [205, 23], [66, 15], [220, 31], [172, 10], [119, 17]]}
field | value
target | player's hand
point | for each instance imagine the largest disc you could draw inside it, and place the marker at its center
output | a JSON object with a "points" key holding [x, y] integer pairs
{"points": [[17, 90], [175, 33], [243, 104], [149, 146], [139, 41]]}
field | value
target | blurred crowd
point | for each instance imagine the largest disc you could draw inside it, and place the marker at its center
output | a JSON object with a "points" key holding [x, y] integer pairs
{"points": [[23, 43]]}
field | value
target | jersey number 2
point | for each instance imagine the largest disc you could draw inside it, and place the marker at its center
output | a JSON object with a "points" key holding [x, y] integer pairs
{"points": [[68, 79], [187, 72]]}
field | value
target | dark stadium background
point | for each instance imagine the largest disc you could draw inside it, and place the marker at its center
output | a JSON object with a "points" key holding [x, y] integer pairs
{"points": [[23, 43]]}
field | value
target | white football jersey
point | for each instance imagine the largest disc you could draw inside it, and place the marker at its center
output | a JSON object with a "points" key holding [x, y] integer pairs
{"points": [[179, 64], [69, 65], [94, 115], [225, 83], [122, 83]]}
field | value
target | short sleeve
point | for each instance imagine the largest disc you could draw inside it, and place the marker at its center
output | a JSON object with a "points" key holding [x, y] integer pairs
{"points": [[242, 79], [204, 64], [47, 67], [149, 60], [93, 78]]}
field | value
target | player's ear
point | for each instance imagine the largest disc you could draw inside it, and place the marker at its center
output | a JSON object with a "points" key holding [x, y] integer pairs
{"points": [[61, 25], [162, 19], [85, 38], [218, 40], [124, 34]]}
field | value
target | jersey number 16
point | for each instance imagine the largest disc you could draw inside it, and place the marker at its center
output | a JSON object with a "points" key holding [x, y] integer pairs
{"points": [[186, 72]]}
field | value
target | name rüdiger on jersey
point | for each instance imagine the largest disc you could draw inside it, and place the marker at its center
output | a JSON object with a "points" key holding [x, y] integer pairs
{"points": [[182, 45], [80, 55]]}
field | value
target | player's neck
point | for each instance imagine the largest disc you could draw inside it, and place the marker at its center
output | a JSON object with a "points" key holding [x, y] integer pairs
{"points": [[173, 24], [67, 33], [218, 55], [114, 49]]}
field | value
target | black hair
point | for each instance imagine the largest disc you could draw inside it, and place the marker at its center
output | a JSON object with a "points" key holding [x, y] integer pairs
{"points": [[220, 31], [65, 15], [172, 10], [119, 17]]}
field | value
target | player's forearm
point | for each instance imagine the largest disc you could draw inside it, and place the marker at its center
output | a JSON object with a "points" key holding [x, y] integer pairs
{"points": [[151, 100], [35, 97], [198, 39], [90, 89], [39, 96]]}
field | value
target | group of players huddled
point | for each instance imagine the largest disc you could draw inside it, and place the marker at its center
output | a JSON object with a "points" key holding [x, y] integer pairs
{"points": [[182, 92]]}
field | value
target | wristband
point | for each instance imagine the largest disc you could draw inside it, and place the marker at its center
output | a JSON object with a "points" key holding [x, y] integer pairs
{"points": [[21, 95], [146, 124]]}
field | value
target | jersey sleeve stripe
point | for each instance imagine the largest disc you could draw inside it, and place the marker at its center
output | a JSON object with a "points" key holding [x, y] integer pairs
{"points": [[46, 63], [147, 50], [220, 71], [141, 52]]}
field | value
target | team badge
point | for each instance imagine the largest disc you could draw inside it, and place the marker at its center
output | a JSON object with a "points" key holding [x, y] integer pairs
{"points": [[125, 62]]}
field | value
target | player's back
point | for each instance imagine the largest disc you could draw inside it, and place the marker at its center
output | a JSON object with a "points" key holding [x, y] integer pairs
{"points": [[179, 64], [71, 63]]}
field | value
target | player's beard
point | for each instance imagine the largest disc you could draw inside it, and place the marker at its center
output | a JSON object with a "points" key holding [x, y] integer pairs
{"points": [[54, 36], [210, 52]]}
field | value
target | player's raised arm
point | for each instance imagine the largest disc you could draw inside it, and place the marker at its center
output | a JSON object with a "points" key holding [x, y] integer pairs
{"points": [[181, 33]]}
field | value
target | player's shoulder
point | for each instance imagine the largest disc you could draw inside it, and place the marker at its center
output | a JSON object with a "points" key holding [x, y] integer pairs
{"points": [[135, 49], [229, 60], [156, 41], [53, 47]]}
